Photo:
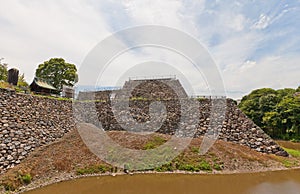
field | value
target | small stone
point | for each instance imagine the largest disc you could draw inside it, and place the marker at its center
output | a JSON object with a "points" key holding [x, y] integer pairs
{"points": [[260, 139], [4, 121], [282, 153], [10, 158], [2, 145]]}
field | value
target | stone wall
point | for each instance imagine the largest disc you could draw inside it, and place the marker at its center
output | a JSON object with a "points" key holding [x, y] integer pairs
{"points": [[27, 122], [235, 126], [94, 95]]}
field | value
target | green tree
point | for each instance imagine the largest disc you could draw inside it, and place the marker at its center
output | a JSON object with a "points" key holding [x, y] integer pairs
{"points": [[57, 72], [281, 93], [271, 121], [289, 110], [268, 102], [253, 104], [3, 72], [21, 81], [277, 112]]}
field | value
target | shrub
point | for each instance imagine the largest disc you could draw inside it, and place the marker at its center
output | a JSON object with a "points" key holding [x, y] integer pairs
{"points": [[165, 167], [195, 150], [93, 169], [189, 167], [204, 165], [218, 166], [25, 179]]}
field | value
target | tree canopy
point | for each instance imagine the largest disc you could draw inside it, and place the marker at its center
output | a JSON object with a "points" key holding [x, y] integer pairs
{"points": [[57, 72], [277, 112]]}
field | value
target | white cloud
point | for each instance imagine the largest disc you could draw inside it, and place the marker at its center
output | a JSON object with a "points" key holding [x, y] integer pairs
{"points": [[154, 12], [33, 31], [36, 31], [263, 22], [247, 65], [234, 22], [272, 71], [236, 50]]}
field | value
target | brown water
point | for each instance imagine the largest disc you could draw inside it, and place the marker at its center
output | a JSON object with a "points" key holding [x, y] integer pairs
{"points": [[279, 182]]}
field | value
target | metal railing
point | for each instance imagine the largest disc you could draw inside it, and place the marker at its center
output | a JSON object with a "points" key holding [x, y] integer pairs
{"points": [[207, 97], [162, 77]]}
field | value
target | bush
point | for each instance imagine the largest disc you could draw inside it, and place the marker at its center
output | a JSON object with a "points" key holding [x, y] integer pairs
{"points": [[204, 165], [93, 169], [195, 150], [188, 167], [218, 166], [165, 167], [25, 179]]}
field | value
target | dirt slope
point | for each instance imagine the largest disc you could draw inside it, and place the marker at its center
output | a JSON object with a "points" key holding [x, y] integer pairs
{"points": [[69, 157]]}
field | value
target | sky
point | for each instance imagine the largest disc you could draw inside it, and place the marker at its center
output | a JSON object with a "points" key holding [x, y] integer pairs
{"points": [[254, 43]]}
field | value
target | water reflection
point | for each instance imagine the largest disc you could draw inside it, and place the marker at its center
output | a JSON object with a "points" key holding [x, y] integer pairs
{"points": [[288, 187], [279, 182]]}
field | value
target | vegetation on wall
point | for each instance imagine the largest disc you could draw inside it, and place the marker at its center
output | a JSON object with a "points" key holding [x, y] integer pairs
{"points": [[3, 72], [21, 81], [277, 112]]}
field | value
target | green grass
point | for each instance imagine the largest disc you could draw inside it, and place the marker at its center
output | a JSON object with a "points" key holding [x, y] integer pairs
{"points": [[89, 100], [195, 150], [289, 163], [164, 168], [25, 179], [188, 167], [195, 167], [155, 142], [218, 167], [93, 169], [292, 152], [53, 97], [138, 99], [205, 166], [5, 85]]}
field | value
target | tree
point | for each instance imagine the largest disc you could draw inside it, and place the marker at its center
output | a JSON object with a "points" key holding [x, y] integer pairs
{"points": [[21, 81], [268, 102], [285, 92], [3, 72], [289, 110], [57, 72], [253, 104], [272, 120], [277, 112]]}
